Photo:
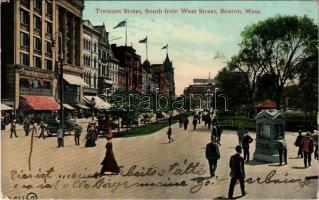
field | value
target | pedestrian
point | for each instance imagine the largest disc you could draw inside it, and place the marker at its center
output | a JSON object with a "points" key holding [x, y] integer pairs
{"points": [[90, 138], [237, 172], [282, 150], [60, 137], [298, 144], [209, 121], [77, 134], [42, 129], [13, 127], [245, 145], [26, 126], [199, 116], [307, 149], [240, 134], [109, 163], [169, 134], [194, 122], [180, 121], [316, 151], [204, 118], [212, 155], [170, 120], [186, 122], [214, 132], [219, 131]]}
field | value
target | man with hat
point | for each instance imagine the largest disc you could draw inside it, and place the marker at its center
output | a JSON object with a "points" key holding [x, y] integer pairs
{"points": [[307, 149], [212, 155], [282, 149], [298, 143]]}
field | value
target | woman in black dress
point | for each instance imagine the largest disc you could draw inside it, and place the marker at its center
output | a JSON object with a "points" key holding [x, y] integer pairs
{"points": [[109, 163]]}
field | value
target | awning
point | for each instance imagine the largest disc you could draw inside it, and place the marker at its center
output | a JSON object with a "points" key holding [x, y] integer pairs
{"points": [[74, 80], [108, 81], [5, 107], [37, 103], [99, 103], [82, 106], [67, 106]]}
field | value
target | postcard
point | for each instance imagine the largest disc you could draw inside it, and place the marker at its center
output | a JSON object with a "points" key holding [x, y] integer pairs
{"points": [[159, 99]]}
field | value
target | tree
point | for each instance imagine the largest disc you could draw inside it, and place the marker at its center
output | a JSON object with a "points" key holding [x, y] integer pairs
{"points": [[280, 45], [234, 86]]}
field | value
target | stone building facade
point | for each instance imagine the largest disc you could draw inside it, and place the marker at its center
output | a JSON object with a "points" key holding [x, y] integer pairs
{"points": [[30, 46], [90, 58]]}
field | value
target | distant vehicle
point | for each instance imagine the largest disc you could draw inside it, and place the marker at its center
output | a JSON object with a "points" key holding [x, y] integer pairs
{"points": [[52, 127]]}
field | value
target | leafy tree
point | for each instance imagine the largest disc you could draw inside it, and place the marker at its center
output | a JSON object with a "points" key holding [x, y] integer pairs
{"points": [[280, 45]]}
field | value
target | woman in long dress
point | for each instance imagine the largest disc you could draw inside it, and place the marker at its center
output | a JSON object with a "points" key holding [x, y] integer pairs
{"points": [[109, 163]]}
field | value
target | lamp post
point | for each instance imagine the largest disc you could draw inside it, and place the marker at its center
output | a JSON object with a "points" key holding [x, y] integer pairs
{"points": [[208, 100], [61, 78], [215, 94]]}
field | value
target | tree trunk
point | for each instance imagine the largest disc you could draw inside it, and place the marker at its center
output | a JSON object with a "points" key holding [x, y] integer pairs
{"points": [[279, 91]]}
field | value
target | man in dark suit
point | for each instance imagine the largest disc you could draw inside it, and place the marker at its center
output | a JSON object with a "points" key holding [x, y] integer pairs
{"points": [[212, 155], [245, 144], [236, 165]]}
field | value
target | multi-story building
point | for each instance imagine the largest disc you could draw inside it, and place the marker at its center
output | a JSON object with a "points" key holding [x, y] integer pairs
{"points": [[105, 84], [130, 63], [169, 72], [159, 78], [90, 58], [35, 33], [146, 77], [113, 69]]}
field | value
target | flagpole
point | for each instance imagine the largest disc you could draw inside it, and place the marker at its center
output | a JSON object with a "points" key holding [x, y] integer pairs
{"points": [[126, 33], [167, 49], [146, 48]]}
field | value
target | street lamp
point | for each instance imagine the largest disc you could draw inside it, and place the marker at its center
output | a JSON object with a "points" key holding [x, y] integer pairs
{"points": [[215, 108], [208, 100], [61, 77]]}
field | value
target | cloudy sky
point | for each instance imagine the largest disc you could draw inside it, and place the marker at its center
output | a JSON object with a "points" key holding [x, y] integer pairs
{"points": [[199, 44]]}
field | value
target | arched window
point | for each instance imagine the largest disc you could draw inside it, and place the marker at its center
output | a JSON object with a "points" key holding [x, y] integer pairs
{"points": [[95, 80]]}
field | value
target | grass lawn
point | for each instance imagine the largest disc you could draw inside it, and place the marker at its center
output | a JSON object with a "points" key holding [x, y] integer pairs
{"points": [[237, 121], [144, 130]]}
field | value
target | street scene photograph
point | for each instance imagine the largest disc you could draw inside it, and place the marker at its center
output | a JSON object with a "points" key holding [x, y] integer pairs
{"points": [[159, 99]]}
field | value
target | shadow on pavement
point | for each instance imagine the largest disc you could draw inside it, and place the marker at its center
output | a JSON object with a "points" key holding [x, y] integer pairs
{"points": [[298, 167], [222, 197], [254, 162]]}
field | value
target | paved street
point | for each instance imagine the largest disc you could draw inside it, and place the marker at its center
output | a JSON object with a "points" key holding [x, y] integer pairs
{"points": [[168, 163]]}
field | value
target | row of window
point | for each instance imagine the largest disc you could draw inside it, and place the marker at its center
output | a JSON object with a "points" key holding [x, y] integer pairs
{"points": [[37, 63], [89, 46], [25, 19], [89, 79], [37, 44], [37, 4], [87, 61]]}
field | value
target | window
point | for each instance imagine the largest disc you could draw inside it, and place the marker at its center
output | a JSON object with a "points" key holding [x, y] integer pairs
{"points": [[95, 62], [49, 48], [24, 17], [48, 64], [38, 4], [24, 59], [49, 28], [49, 8], [37, 22], [36, 62], [24, 39], [94, 47], [36, 43]]}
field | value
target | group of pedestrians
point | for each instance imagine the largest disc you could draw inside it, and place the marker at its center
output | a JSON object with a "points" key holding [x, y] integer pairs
{"points": [[236, 165], [306, 147]]}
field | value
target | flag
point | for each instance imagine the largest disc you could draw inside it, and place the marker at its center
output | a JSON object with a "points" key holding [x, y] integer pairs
{"points": [[165, 47], [143, 41], [121, 24]]}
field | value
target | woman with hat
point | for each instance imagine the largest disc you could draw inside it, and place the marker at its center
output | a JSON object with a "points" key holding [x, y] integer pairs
{"points": [[109, 163]]}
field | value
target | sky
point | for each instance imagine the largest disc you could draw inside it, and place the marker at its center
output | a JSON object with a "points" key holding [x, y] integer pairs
{"points": [[198, 44]]}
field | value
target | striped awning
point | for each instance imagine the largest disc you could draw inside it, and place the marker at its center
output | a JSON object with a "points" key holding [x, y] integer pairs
{"points": [[5, 107], [74, 80], [67, 106], [99, 103], [28, 102], [82, 106]]}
